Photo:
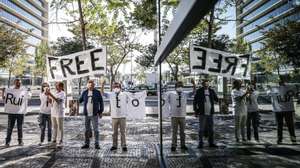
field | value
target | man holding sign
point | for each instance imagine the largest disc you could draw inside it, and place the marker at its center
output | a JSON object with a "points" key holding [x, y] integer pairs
{"points": [[15, 101]]}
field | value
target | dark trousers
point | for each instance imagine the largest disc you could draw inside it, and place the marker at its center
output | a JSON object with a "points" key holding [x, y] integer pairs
{"points": [[289, 119], [252, 119], [45, 121], [12, 118], [206, 123]]}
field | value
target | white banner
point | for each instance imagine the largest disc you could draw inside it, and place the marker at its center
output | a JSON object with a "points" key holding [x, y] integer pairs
{"points": [[215, 62], [15, 101], [80, 64]]}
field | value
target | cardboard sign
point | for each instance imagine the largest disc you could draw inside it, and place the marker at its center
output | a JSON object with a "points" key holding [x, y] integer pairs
{"points": [[15, 101]]}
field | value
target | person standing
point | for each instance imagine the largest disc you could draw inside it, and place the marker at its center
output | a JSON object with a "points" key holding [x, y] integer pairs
{"points": [[92, 109], [203, 105], [57, 112], [45, 114], [253, 113], [283, 107], [177, 105], [118, 109], [16, 113], [239, 109]]}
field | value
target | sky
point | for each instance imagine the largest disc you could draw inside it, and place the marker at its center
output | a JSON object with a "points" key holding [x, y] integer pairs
{"points": [[61, 30]]}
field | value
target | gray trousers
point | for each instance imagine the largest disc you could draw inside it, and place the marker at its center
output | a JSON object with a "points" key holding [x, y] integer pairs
{"points": [[88, 129], [116, 124], [206, 122], [240, 126], [175, 123]]}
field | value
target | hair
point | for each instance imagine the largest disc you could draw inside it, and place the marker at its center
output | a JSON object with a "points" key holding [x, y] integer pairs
{"points": [[61, 84], [178, 83], [90, 81], [117, 83], [42, 87], [236, 83], [204, 80], [17, 79]]}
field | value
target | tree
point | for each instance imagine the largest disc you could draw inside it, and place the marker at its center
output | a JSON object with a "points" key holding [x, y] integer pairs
{"points": [[281, 47], [147, 58], [40, 59], [12, 50]]}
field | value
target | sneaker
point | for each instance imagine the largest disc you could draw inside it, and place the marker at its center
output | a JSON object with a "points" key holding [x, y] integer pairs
{"points": [[97, 146], [7, 145], [213, 146], [41, 143], [124, 149], [21, 143], [54, 142], [200, 146], [173, 149], [184, 147], [86, 146], [113, 148]]}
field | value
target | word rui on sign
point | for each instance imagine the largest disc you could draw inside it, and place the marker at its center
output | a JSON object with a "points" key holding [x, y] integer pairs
{"points": [[80, 64], [215, 62]]}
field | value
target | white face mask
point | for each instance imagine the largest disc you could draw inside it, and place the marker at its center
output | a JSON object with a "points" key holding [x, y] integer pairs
{"points": [[179, 89], [117, 90]]}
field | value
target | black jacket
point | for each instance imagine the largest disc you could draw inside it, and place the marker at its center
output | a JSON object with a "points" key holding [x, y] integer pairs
{"points": [[199, 100], [98, 105]]}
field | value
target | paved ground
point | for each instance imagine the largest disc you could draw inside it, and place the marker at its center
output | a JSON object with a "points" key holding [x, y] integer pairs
{"points": [[142, 140]]}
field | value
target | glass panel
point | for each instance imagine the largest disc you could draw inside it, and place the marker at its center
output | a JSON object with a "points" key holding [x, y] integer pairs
{"points": [[30, 6]]}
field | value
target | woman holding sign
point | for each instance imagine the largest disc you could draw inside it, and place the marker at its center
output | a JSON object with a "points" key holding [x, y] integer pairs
{"points": [[57, 111], [45, 114]]}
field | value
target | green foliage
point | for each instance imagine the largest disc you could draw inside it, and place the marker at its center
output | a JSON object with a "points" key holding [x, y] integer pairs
{"points": [[40, 59], [65, 46], [147, 58], [281, 48]]}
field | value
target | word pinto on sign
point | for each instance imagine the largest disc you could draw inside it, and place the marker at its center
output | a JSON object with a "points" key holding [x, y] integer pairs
{"points": [[215, 62], [80, 64]]}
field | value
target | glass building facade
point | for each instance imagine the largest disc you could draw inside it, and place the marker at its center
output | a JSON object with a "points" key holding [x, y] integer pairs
{"points": [[29, 17], [256, 16]]}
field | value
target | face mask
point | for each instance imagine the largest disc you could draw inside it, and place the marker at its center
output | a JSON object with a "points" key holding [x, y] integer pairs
{"points": [[117, 90], [179, 89]]}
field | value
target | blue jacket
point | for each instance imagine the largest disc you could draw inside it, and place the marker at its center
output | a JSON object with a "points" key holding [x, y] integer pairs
{"points": [[98, 106]]}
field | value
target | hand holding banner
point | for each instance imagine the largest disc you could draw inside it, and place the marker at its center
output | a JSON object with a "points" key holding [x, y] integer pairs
{"points": [[80, 64], [215, 62]]}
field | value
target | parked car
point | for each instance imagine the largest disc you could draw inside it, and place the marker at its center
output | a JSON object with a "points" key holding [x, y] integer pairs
{"points": [[151, 89]]}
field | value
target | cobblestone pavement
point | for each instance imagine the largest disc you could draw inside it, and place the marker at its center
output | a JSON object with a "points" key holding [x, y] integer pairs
{"points": [[142, 140]]}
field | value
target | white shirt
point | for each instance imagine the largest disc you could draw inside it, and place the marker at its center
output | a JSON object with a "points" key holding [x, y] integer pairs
{"points": [[89, 106], [238, 103], [45, 106], [252, 104], [177, 103], [207, 103], [282, 99], [58, 108], [136, 107], [118, 104]]}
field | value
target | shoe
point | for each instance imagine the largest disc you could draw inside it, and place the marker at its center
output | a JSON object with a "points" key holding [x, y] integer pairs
{"points": [[244, 140], [41, 143], [21, 143], [54, 142], [113, 148], [184, 148], [60, 143], [173, 149], [124, 149], [237, 140], [279, 142], [97, 146], [85, 146], [7, 145], [213, 146], [200, 146]]}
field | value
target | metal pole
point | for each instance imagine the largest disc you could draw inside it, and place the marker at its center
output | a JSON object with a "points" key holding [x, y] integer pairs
{"points": [[160, 83]]}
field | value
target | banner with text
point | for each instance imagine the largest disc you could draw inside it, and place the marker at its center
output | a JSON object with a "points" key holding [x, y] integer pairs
{"points": [[80, 64], [15, 101], [215, 62]]}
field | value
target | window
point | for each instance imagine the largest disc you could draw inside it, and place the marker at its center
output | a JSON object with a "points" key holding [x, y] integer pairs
{"points": [[20, 22], [249, 5], [21, 11], [260, 9], [33, 8]]}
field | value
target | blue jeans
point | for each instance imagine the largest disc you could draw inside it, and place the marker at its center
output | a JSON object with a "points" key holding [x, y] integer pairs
{"points": [[45, 121], [12, 118], [206, 122], [88, 130]]}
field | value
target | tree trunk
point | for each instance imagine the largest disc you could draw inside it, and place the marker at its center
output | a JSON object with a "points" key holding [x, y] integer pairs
{"points": [[9, 78], [210, 28]]}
